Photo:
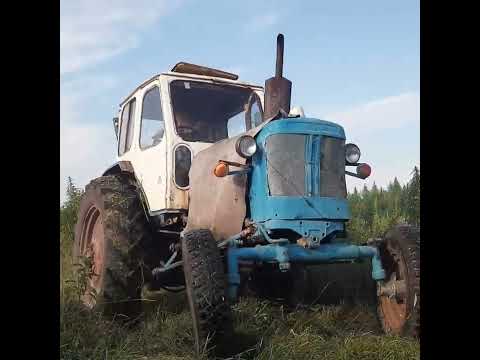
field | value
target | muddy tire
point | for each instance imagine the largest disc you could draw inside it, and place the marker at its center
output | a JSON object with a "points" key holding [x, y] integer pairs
{"points": [[206, 288], [400, 254], [112, 231]]}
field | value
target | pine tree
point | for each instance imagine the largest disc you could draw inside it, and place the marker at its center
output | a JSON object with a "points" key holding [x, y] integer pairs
{"points": [[376, 210], [413, 197], [365, 193], [68, 211], [73, 192], [404, 201], [396, 188]]}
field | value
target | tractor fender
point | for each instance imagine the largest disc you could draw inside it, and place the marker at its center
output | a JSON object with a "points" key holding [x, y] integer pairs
{"points": [[224, 197], [126, 167], [119, 167]]}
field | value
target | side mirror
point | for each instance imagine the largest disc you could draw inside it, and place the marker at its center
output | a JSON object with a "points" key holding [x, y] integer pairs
{"points": [[115, 126]]}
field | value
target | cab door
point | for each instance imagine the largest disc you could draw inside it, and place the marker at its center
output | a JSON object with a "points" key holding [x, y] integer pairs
{"points": [[151, 154]]}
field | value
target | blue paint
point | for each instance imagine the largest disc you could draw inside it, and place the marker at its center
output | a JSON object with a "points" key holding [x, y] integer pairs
{"points": [[309, 163], [306, 228], [311, 216], [284, 254], [259, 253], [297, 208], [312, 165], [265, 208], [315, 165]]}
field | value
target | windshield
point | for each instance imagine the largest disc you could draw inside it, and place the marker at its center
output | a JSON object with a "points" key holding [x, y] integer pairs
{"points": [[207, 112]]}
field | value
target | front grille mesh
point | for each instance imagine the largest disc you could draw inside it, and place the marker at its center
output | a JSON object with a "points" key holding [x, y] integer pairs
{"points": [[332, 167], [292, 165], [286, 164]]}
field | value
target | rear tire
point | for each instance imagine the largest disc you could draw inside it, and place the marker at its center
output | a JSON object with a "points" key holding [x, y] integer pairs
{"points": [[206, 288], [400, 254], [112, 230]]}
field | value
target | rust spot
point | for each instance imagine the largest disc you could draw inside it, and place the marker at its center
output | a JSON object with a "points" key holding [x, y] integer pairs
{"points": [[302, 242]]}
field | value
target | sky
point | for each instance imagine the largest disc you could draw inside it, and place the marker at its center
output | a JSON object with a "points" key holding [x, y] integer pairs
{"points": [[356, 63]]}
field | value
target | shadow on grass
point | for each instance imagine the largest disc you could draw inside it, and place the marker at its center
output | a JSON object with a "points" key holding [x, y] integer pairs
{"points": [[237, 345]]}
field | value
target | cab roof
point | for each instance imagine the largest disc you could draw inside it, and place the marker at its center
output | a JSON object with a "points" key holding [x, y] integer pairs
{"points": [[187, 68], [183, 70]]}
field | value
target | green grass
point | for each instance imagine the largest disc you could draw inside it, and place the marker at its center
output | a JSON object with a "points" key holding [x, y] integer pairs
{"points": [[262, 331]]}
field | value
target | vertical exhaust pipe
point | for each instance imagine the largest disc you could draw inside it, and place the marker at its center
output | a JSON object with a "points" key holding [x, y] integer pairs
{"points": [[279, 65], [278, 90]]}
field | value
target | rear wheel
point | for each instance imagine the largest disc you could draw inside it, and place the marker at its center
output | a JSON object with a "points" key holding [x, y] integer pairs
{"points": [[112, 233], [399, 295], [206, 288]]}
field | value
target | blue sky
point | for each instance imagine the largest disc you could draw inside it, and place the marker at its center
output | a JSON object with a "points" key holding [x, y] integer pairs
{"points": [[353, 62]]}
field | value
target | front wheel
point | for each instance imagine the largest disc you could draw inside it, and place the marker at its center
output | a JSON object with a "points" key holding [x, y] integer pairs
{"points": [[206, 288], [399, 294]]}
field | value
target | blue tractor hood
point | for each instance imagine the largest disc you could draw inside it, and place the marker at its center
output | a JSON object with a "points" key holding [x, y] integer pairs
{"points": [[285, 184], [223, 204]]}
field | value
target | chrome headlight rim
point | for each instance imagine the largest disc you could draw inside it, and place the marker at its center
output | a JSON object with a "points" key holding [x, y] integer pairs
{"points": [[352, 153], [246, 146]]}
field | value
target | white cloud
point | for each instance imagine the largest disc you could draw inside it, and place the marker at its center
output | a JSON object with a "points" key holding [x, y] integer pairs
{"points": [[388, 113], [87, 146], [94, 31], [261, 22]]}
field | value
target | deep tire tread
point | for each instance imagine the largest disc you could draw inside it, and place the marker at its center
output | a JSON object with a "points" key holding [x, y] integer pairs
{"points": [[406, 238], [127, 236], [206, 285]]}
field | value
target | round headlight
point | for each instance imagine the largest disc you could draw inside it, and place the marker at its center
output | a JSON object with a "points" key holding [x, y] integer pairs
{"points": [[352, 153], [246, 146]]}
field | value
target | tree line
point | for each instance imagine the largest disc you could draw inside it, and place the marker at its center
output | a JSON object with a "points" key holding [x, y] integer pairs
{"points": [[376, 210]]}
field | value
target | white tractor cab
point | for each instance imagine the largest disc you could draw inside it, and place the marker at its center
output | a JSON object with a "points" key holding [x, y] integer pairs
{"points": [[169, 118], [221, 187]]}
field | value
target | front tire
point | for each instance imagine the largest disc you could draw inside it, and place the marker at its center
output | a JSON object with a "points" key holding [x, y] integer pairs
{"points": [[112, 231], [206, 288], [400, 254]]}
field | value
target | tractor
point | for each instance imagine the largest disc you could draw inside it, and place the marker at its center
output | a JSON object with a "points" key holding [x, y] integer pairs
{"points": [[221, 188]]}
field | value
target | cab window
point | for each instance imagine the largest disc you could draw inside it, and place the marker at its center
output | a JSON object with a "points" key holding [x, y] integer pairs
{"points": [[152, 125], [126, 127]]}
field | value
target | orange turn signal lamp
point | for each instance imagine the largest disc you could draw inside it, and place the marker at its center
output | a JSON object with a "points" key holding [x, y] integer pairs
{"points": [[221, 170]]}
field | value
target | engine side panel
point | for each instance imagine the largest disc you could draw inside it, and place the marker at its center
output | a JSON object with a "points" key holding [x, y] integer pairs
{"points": [[218, 204]]}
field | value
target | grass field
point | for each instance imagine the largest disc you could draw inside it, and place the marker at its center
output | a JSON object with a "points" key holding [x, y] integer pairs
{"points": [[263, 330]]}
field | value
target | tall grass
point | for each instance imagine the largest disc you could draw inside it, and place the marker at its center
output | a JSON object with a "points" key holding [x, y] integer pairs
{"points": [[262, 330]]}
